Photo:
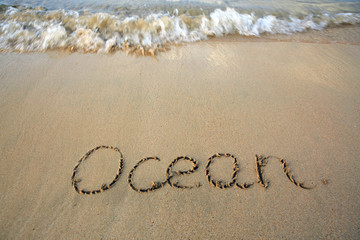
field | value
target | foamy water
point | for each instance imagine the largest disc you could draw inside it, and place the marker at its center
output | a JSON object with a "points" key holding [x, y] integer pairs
{"points": [[105, 26]]}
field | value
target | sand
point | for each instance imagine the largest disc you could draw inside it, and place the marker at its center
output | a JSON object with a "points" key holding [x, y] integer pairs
{"points": [[298, 101]]}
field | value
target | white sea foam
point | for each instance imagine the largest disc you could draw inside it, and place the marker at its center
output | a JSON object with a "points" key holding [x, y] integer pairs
{"points": [[40, 30]]}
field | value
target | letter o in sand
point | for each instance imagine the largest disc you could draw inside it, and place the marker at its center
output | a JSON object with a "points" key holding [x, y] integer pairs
{"points": [[105, 186]]}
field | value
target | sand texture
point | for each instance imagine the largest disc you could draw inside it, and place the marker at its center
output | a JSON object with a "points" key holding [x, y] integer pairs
{"points": [[297, 101]]}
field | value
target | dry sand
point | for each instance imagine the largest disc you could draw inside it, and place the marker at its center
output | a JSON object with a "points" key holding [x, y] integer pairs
{"points": [[299, 101]]}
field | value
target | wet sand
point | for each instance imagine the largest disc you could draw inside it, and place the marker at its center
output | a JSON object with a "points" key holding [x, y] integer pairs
{"points": [[298, 101]]}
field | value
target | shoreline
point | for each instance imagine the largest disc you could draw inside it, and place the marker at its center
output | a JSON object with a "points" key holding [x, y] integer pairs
{"points": [[343, 35]]}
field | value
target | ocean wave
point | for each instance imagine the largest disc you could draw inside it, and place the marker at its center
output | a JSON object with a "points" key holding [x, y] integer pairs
{"points": [[29, 30]]}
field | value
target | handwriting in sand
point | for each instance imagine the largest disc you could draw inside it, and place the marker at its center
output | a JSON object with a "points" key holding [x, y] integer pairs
{"points": [[260, 161]]}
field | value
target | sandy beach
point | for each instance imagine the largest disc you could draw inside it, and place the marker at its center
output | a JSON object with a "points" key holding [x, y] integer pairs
{"points": [[298, 101]]}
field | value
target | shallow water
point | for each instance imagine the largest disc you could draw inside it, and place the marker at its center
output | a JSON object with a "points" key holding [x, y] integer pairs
{"points": [[192, 6], [144, 27]]}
